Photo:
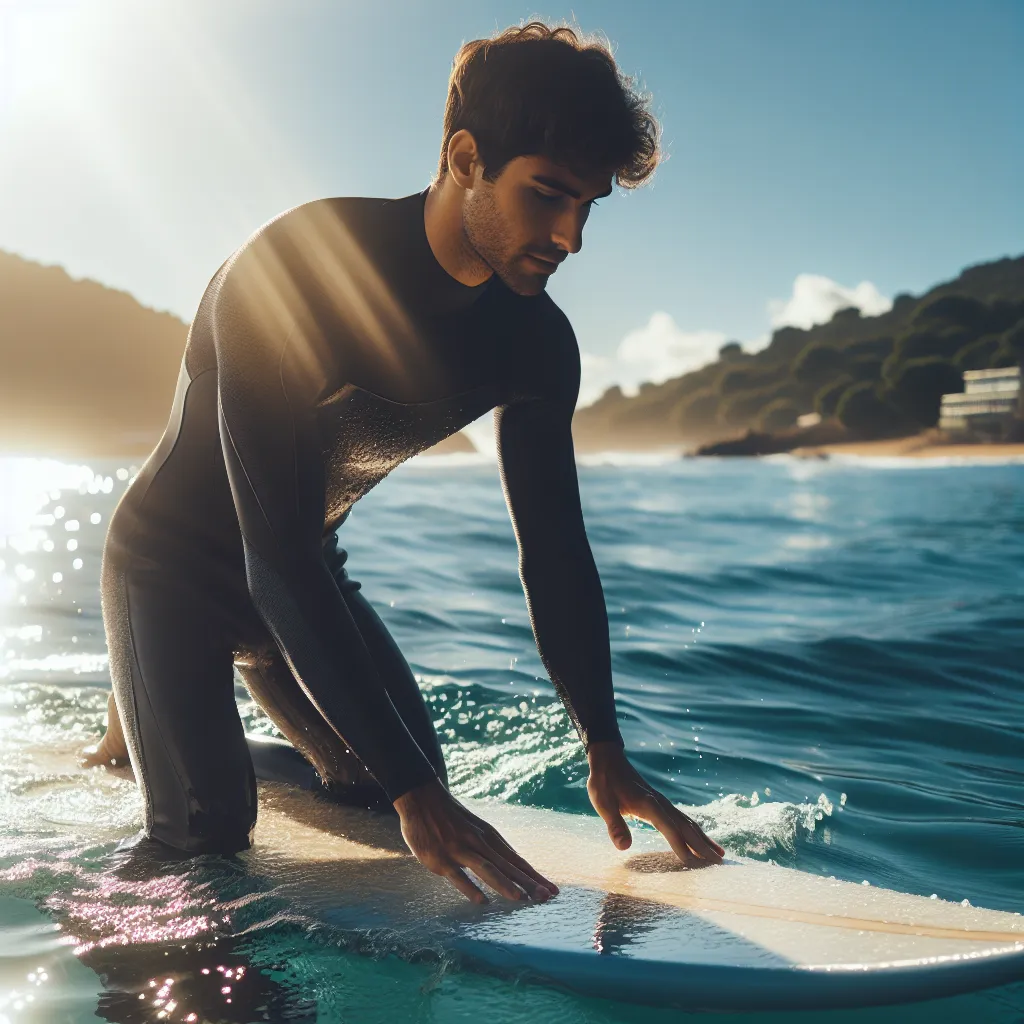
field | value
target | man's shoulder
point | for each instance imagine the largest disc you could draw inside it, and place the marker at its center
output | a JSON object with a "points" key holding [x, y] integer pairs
{"points": [[538, 318], [313, 241], [555, 319], [325, 217], [543, 357]]}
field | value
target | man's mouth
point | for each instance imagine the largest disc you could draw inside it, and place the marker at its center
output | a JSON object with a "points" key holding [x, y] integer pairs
{"points": [[545, 266]]}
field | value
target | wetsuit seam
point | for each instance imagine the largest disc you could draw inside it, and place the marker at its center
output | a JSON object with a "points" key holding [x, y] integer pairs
{"points": [[174, 447], [248, 480], [135, 703]]}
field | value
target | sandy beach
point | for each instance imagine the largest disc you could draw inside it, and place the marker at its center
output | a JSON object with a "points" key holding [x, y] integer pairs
{"points": [[929, 445]]}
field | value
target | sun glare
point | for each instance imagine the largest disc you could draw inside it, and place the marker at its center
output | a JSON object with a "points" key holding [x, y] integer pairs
{"points": [[27, 485]]}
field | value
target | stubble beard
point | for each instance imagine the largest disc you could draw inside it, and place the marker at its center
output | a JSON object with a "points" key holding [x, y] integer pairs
{"points": [[488, 236]]}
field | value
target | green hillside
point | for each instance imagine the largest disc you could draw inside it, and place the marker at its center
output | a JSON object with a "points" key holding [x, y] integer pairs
{"points": [[878, 376]]}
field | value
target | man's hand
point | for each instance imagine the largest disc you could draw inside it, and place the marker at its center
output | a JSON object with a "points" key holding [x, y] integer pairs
{"points": [[446, 838], [616, 788]]}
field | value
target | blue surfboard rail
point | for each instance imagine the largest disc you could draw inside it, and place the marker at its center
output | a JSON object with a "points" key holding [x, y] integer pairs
{"points": [[723, 988]]}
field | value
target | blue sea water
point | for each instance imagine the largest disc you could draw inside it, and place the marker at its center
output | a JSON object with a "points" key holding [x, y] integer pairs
{"points": [[822, 658]]}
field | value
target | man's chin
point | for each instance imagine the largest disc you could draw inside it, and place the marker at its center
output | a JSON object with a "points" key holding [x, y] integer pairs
{"points": [[524, 283]]}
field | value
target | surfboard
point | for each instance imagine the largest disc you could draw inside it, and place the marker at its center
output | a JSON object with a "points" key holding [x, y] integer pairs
{"points": [[743, 935]]}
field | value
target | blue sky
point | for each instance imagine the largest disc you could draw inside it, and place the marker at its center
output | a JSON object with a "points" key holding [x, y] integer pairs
{"points": [[876, 142]]}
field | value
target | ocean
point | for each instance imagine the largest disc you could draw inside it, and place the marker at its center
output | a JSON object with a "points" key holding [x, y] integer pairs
{"points": [[821, 658]]}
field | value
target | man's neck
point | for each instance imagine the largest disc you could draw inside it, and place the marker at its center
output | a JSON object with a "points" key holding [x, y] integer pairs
{"points": [[442, 219]]}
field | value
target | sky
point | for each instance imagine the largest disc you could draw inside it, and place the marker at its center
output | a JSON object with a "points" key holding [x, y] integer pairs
{"points": [[820, 154]]}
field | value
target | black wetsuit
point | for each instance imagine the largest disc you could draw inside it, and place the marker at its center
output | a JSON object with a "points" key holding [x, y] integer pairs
{"points": [[329, 349]]}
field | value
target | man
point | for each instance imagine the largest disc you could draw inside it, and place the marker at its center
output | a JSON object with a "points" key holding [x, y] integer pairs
{"points": [[344, 337]]}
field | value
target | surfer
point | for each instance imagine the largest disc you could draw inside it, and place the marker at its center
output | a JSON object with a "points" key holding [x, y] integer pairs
{"points": [[344, 337]]}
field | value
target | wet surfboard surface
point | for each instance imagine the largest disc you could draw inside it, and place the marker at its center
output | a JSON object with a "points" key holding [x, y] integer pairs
{"points": [[634, 924]]}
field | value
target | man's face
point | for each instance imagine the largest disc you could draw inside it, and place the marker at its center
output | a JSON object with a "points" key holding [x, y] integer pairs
{"points": [[527, 221]]}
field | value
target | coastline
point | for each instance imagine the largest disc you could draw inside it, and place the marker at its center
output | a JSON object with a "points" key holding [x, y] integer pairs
{"points": [[920, 446]]}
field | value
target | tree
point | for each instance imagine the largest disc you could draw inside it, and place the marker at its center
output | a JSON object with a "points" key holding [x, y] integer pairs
{"points": [[778, 415], [696, 411], [1003, 358], [827, 398], [933, 340], [818, 362], [866, 368], [739, 409], [961, 310], [730, 351], [917, 387], [863, 411], [738, 379], [878, 347], [1013, 340], [977, 355]]}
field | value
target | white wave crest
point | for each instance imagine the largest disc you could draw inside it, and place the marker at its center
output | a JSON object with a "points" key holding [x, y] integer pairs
{"points": [[751, 827], [657, 457], [65, 664]]}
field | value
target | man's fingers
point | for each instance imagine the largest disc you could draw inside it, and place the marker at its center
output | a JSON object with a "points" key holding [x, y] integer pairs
{"points": [[528, 883], [720, 850], [498, 843], [684, 836], [494, 878], [461, 881], [700, 843], [618, 830]]}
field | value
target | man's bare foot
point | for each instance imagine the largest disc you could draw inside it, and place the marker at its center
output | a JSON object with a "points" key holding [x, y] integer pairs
{"points": [[111, 751]]}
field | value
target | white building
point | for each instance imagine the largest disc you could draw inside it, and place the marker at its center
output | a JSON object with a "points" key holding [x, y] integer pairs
{"points": [[987, 406]]}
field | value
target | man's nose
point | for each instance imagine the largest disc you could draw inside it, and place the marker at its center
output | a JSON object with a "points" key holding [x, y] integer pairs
{"points": [[568, 232]]}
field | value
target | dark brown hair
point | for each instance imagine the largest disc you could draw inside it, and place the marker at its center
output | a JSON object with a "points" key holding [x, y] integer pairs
{"points": [[538, 90]]}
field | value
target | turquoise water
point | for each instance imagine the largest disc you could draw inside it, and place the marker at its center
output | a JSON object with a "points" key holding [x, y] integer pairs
{"points": [[822, 658]]}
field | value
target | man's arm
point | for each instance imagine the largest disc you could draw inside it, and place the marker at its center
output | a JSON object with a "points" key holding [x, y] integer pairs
{"points": [[567, 609], [563, 589], [270, 359], [270, 368]]}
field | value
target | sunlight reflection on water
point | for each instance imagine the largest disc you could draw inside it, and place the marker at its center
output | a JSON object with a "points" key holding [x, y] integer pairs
{"points": [[832, 604]]}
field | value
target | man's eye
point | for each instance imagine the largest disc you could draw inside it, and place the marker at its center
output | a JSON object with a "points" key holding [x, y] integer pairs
{"points": [[544, 197]]}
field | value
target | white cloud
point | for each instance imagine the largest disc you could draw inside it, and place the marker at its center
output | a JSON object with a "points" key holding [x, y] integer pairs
{"points": [[655, 352], [816, 298], [661, 349]]}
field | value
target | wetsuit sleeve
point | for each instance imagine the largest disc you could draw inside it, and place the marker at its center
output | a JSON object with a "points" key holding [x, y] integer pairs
{"points": [[563, 589], [271, 358]]}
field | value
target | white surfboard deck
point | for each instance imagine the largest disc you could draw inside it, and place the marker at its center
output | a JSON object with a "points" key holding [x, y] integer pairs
{"points": [[634, 925]]}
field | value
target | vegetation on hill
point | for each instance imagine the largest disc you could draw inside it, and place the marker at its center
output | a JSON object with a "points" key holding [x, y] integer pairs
{"points": [[877, 376], [86, 370]]}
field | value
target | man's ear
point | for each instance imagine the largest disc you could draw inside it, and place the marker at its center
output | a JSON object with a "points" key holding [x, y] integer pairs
{"points": [[463, 159]]}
